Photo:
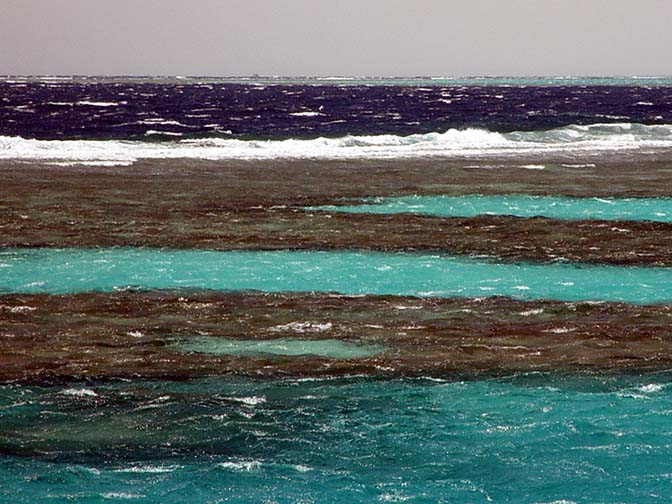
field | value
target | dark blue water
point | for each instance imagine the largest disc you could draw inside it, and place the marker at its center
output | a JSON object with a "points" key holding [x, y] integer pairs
{"points": [[146, 110]]}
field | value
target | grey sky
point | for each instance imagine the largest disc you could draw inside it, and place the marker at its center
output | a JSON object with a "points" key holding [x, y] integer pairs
{"points": [[337, 37]]}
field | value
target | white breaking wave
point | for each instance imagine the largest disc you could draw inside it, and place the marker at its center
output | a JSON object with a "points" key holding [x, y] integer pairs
{"points": [[302, 327], [99, 104], [79, 392], [307, 113], [148, 469], [164, 133], [452, 143]]}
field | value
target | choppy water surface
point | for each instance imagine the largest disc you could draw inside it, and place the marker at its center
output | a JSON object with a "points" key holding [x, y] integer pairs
{"points": [[555, 207], [119, 121], [594, 141], [346, 272], [533, 438], [530, 438], [170, 109]]}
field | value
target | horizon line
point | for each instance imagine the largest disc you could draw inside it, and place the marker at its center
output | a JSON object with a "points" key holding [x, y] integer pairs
{"points": [[344, 77]]}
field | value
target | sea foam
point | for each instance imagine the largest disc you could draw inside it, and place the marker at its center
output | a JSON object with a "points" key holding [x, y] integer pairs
{"points": [[452, 143]]}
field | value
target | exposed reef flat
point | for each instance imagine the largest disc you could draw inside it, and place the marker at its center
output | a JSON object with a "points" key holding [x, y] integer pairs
{"points": [[260, 205], [134, 334]]}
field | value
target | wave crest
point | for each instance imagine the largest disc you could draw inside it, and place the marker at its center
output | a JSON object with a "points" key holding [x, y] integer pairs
{"points": [[452, 143]]}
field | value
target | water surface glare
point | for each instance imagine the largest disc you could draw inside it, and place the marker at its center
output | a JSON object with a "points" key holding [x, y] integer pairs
{"points": [[346, 272], [555, 207]]}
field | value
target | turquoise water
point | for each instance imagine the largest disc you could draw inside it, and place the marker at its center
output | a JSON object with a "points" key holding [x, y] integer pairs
{"points": [[555, 207], [350, 272], [532, 438], [330, 348], [529, 439]]}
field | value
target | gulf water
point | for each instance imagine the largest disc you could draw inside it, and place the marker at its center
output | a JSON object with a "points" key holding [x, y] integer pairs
{"points": [[555, 207], [347, 272], [530, 438]]}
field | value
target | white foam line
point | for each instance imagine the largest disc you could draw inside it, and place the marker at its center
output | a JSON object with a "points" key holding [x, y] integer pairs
{"points": [[452, 143]]}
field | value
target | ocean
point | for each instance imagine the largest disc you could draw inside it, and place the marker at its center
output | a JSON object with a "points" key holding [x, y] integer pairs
{"points": [[294, 290]]}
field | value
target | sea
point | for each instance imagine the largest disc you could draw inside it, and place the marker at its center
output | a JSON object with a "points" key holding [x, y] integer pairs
{"points": [[548, 435]]}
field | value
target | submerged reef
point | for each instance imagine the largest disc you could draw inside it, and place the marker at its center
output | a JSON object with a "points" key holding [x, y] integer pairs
{"points": [[161, 334], [263, 205], [252, 205]]}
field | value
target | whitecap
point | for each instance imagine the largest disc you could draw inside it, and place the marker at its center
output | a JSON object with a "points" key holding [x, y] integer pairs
{"points": [[393, 497], [164, 133], [148, 469], [99, 103], [79, 392], [527, 313], [307, 113], [250, 401], [121, 495], [158, 120], [561, 501], [21, 309], [302, 327], [560, 330], [241, 466], [652, 387], [452, 143]]}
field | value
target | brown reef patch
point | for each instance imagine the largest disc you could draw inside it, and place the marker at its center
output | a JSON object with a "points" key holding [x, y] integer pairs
{"points": [[129, 335], [258, 205]]}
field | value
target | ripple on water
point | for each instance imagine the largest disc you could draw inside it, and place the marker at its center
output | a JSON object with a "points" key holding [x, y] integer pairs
{"points": [[555, 207], [73, 270], [535, 437]]}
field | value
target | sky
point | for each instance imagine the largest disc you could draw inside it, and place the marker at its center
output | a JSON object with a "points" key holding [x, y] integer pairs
{"points": [[336, 37]]}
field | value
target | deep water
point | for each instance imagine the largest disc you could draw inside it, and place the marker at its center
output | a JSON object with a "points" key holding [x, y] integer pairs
{"points": [[168, 109], [531, 438], [345, 272], [108, 121]]}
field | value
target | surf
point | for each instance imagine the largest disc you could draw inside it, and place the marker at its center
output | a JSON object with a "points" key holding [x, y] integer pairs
{"points": [[452, 143]]}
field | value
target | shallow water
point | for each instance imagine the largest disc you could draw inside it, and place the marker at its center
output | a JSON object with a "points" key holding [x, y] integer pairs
{"points": [[331, 348], [347, 272], [532, 438], [555, 207]]}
